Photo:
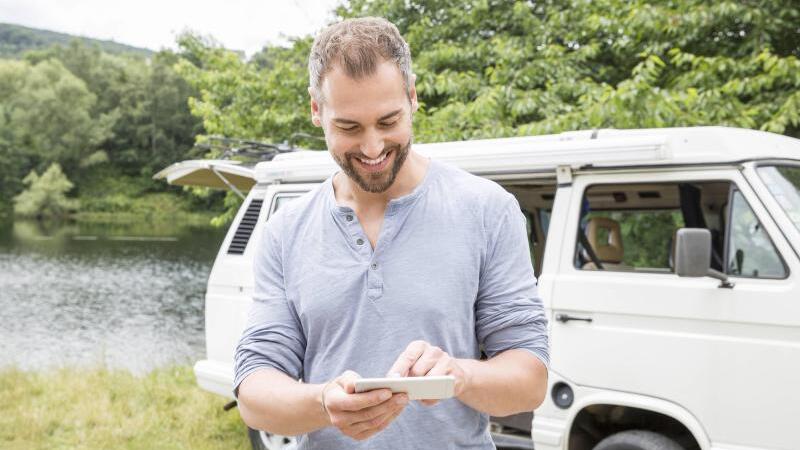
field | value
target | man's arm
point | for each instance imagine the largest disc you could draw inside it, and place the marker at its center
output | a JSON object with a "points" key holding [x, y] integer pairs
{"points": [[511, 382], [514, 381], [272, 401]]}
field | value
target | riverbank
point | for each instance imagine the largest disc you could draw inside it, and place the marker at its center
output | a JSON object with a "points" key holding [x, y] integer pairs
{"points": [[108, 196], [105, 409]]}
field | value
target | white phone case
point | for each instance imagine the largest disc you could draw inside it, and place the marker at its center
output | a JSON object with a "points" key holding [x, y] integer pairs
{"points": [[417, 388]]}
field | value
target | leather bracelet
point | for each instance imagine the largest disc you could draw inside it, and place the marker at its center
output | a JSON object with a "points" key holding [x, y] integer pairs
{"points": [[325, 407]]}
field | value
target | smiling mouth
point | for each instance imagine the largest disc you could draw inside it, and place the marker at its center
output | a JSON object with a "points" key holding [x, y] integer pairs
{"points": [[375, 165]]}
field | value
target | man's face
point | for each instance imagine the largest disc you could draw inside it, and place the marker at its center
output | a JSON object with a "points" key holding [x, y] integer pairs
{"points": [[367, 124]]}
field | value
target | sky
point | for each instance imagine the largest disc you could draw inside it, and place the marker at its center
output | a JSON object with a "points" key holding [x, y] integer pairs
{"points": [[238, 24]]}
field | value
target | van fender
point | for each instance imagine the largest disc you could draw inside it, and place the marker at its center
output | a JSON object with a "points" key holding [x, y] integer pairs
{"points": [[591, 396]]}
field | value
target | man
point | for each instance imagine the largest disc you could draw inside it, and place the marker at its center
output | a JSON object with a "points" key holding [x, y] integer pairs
{"points": [[397, 265]]}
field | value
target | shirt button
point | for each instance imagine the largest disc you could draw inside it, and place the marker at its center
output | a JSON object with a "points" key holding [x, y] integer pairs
{"points": [[373, 266], [349, 218], [360, 241]]}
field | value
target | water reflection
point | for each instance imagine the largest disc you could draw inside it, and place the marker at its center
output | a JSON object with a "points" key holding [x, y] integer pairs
{"points": [[124, 296]]}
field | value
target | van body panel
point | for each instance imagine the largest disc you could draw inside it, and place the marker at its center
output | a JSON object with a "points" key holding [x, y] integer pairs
{"points": [[681, 339], [589, 396], [555, 239], [214, 376], [512, 158], [230, 291]]}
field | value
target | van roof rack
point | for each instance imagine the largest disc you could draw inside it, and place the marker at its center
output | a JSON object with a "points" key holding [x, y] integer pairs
{"points": [[252, 149]]}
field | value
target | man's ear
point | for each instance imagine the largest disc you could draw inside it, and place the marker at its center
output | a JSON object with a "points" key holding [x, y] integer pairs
{"points": [[316, 119], [412, 92]]}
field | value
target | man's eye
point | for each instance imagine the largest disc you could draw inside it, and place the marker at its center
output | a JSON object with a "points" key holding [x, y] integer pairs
{"points": [[388, 124], [348, 129]]}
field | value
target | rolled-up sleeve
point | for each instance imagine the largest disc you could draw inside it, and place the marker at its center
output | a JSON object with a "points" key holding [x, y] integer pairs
{"points": [[509, 313], [273, 336]]}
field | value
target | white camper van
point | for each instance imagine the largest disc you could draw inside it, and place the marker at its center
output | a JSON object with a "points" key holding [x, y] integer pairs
{"points": [[668, 261]]}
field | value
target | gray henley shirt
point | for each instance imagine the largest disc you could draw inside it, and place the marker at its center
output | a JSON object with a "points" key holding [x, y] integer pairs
{"points": [[451, 266]]}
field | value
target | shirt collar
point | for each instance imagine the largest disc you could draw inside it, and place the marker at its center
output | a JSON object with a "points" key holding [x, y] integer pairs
{"points": [[395, 204]]}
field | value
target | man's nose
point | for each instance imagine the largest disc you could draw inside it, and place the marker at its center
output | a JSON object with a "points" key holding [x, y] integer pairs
{"points": [[372, 146]]}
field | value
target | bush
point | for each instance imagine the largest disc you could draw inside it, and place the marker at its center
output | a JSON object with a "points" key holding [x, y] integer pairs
{"points": [[45, 195]]}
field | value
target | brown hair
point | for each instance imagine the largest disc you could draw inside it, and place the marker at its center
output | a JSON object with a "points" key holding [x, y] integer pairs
{"points": [[358, 46]]}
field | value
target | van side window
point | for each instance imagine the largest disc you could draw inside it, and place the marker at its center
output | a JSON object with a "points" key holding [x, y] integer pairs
{"points": [[632, 227], [281, 200], [638, 239], [751, 253]]}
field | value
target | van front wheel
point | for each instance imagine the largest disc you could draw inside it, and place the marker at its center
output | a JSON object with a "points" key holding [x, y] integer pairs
{"points": [[637, 440], [261, 440]]}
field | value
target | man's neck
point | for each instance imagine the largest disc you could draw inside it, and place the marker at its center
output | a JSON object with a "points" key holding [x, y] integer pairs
{"points": [[408, 178]]}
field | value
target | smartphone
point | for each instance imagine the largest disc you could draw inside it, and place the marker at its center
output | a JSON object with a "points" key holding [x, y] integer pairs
{"points": [[417, 388]]}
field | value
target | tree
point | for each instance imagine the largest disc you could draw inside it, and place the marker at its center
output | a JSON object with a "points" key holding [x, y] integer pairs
{"points": [[264, 99], [45, 196], [148, 100], [48, 114], [497, 68]]}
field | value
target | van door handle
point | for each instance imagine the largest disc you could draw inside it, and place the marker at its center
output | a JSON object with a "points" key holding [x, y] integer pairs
{"points": [[566, 318]]}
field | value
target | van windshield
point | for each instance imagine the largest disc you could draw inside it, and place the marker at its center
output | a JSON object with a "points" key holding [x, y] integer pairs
{"points": [[784, 184]]}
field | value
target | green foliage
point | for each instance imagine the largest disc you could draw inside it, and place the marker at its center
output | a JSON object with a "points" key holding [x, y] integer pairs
{"points": [[108, 194], [152, 124], [646, 235], [46, 194], [265, 98], [47, 114], [497, 68], [232, 203], [89, 110]]}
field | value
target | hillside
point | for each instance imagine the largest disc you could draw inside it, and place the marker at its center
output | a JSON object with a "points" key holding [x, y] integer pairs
{"points": [[16, 39]]}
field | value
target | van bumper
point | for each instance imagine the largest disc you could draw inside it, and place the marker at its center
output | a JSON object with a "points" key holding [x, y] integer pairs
{"points": [[214, 377], [548, 433]]}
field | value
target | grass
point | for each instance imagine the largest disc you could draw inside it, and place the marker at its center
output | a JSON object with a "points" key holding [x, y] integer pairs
{"points": [[108, 409]]}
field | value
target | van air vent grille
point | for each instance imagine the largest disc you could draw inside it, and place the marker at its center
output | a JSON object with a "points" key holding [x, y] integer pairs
{"points": [[246, 227]]}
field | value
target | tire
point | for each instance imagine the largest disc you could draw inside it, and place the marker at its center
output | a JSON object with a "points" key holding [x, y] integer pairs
{"points": [[261, 440], [637, 440]]}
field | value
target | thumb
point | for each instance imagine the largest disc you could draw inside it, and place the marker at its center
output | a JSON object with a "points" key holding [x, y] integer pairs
{"points": [[347, 381]]}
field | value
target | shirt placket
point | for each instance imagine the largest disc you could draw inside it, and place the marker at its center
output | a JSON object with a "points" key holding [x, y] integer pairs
{"points": [[372, 258]]}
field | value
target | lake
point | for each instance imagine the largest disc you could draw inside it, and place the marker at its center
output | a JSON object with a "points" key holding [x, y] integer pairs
{"points": [[127, 296]]}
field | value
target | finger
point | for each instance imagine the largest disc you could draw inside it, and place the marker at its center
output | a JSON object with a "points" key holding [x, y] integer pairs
{"points": [[442, 367], [426, 362], [367, 425], [402, 406], [382, 409], [407, 359], [347, 381], [359, 401], [383, 421], [366, 434]]}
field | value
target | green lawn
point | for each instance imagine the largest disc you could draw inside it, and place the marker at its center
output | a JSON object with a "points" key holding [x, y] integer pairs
{"points": [[105, 409]]}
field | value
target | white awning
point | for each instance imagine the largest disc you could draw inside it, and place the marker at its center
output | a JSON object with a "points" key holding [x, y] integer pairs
{"points": [[213, 173]]}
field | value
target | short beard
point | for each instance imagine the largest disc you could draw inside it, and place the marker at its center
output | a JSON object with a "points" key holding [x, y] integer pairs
{"points": [[379, 182]]}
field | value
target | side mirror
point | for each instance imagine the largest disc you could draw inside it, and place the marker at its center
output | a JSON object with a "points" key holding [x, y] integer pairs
{"points": [[693, 255]]}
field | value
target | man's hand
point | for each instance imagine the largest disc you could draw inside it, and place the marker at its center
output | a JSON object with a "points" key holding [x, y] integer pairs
{"points": [[421, 359], [362, 415]]}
